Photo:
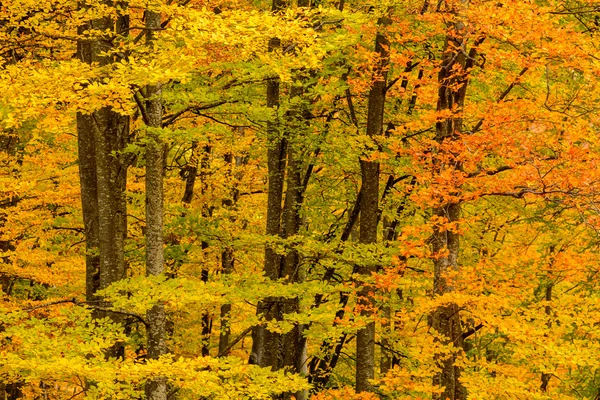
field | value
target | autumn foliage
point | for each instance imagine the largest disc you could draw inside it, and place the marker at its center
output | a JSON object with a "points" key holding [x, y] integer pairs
{"points": [[319, 200]]}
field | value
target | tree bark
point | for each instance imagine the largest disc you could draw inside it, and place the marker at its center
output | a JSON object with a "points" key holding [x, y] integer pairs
{"points": [[294, 344], [89, 203], [284, 170], [228, 260], [369, 214], [548, 311], [156, 389], [206, 213], [102, 135], [265, 343], [453, 79], [227, 263]]}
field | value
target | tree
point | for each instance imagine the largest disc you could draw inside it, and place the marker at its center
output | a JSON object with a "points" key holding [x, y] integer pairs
{"points": [[459, 252], [156, 318], [102, 136], [369, 211]]}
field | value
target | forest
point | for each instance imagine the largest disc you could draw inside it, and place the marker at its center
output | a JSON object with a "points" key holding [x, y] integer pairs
{"points": [[300, 199]]}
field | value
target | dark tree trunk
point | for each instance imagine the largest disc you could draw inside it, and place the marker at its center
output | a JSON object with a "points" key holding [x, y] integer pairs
{"points": [[548, 311], [272, 349], [265, 344], [453, 80], [294, 344], [89, 202], [227, 263], [190, 171], [206, 213], [369, 214], [228, 260]]}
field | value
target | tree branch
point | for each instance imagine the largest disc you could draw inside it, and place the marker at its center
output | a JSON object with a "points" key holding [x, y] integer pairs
{"points": [[502, 97], [169, 119], [137, 96], [235, 341], [491, 172]]}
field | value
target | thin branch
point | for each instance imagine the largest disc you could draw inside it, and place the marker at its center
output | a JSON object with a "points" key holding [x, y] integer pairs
{"points": [[388, 188], [522, 193], [502, 97], [76, 302], [67, 228], [471, 331], [491, 172], [409, 67], [220, 122], [351, 108], [143, 28], [353, 217], [569, 12], [322, 24], [71, 301], [396, 352], [235, 341], [417, 133], [169, 119], [129, 314]]}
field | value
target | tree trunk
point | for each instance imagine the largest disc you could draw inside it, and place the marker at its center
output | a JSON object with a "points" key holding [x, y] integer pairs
{"points": [[453, 80], [265, 344], [228, 259], [548, 311], [369, 214], [156, 389], [446, 319], [89, 203], [206, 213], [273, 349], [227, 262], [294, 344], [102, 135]]}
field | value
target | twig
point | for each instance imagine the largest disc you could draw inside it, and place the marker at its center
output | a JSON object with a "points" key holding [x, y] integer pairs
{"points": [[502, 97], [235, 341], [72, 301], [87, 303]]}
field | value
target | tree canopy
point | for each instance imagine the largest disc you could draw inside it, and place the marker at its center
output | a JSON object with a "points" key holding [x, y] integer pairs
{"points": [[311, 199]]}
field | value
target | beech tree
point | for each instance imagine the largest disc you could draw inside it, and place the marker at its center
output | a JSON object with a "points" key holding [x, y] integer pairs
{"points": [[327, 200], [102, 136]]}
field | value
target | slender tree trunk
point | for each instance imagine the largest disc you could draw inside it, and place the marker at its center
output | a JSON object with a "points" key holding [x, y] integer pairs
{"points": [[446, 319], [265, 344], [369, 215], [206, 213], [228, 260], [156, 389], [385, 361], [89, 202], [190, 172], [320, 368], [548, 310], [272, 349], [294, 344], [453, 81]]}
